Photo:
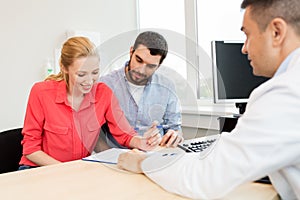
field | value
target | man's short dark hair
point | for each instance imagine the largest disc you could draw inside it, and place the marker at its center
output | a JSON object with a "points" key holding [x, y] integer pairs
{"points": [[155, 42], [264, 11]]}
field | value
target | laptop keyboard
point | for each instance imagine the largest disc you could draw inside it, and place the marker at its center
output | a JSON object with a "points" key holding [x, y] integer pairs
{"points": [[198, 144]]}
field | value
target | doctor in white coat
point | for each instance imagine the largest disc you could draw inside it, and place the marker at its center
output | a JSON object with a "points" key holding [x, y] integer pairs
{"points": [[266, 140]]}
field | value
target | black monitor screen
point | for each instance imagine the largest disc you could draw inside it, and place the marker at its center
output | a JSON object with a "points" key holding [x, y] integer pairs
{"points": [[232, 74]]}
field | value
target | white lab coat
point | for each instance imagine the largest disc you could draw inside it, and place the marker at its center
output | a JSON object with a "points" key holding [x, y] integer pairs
{"points": [[266, 141]]}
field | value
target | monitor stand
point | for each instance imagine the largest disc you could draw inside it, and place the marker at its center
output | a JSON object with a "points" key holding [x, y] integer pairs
{"points": [[227, 123], [241, 107]]}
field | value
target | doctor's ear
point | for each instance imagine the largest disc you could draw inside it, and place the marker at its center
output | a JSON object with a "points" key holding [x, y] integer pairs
{"points": [[279, 30]]}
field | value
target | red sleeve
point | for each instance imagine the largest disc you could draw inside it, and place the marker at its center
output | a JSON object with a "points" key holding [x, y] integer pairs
{"points": [[117, 122], [33, 123]]}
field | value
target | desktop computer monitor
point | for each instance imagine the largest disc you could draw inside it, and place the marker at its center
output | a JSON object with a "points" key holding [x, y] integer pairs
{"points": [[233, 78]]}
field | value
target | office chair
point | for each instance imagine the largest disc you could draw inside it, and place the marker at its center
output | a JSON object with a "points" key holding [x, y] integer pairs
{"points": [[10, 150]]}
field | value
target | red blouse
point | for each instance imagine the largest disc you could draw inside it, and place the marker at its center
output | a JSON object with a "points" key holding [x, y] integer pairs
{"points": [[51, 125]]}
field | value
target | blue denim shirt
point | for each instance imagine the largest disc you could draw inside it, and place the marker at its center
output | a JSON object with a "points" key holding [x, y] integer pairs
{"points": [[159, 101]]}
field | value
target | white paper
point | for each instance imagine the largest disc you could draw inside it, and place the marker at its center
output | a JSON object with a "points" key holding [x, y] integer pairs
{"points": [[109, 156]]}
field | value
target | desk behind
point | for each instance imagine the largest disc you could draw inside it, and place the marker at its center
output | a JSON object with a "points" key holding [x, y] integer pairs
{"points": [[90, 180]]}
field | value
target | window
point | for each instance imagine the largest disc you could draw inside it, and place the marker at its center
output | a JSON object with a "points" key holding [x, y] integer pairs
{"points": [[198, 22], [156, 14], [168, 18]]}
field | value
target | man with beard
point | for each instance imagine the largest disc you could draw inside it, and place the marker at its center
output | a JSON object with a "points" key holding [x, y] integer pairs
{"points": [[148, 98]]}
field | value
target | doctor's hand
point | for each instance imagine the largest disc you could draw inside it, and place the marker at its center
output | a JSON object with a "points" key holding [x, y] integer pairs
{"points": [[171, 139], [131, 161]]}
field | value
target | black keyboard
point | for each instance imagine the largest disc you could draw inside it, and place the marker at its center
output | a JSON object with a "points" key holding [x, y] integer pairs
{"points": [[198, 144]]}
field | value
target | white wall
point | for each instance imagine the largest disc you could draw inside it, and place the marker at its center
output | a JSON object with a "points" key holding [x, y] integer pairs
{"points": [[31, 30]]}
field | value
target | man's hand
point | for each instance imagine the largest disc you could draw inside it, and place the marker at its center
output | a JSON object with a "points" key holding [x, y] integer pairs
{"points": [[152, 135], [131, 161], [171, 139]]}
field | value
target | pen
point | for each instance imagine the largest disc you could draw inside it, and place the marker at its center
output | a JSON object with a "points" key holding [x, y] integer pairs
{"points": [[144, 128]]}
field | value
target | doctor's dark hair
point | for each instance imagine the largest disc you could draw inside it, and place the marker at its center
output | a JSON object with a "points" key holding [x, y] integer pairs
{"points": [[155, 42], [264, 11], [74, 48]]}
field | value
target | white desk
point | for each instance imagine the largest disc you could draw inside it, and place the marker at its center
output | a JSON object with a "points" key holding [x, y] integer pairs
{"points": [[83, 180]]}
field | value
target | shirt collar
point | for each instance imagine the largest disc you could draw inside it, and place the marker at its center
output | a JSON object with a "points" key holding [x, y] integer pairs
{"points": [[61, 95], [284, 65]]}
